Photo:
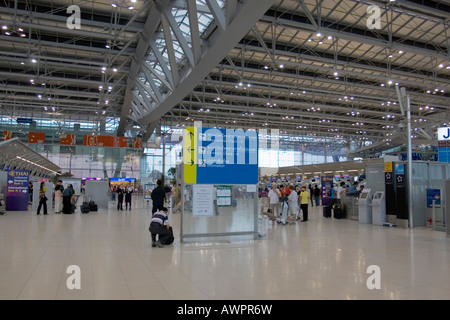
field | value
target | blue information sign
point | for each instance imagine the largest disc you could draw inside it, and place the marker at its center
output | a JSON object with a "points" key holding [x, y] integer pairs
{"points": [[221, 156]]}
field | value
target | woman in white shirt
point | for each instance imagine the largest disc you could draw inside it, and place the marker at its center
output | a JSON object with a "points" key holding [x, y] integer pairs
{"points": [[293, 205], [274, 199]]}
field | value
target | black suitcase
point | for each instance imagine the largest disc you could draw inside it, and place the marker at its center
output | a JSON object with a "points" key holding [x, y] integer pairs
{"points": [[327, 211], [84, 208], [338, 211]]}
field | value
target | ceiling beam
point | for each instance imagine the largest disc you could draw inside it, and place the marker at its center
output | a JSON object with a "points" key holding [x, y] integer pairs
{"points": [[247, 13]]}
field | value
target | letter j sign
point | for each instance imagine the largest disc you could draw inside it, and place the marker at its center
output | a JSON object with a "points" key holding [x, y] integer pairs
{"points": [[443, 133]]}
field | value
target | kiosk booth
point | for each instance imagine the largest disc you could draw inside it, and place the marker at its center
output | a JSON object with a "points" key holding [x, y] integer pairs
{"points": [[365, 206], [378, 208]]}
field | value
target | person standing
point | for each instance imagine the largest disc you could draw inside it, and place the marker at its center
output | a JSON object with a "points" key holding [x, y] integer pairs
{"points": [[273, 199], [332, 195], [340, 192], [311, 194], [293, 205], [68, 194], [159, 226], [168, 191], [304, 200], [114, 189], [128, 192], [30, 191], [158, 196], [42, 198], [59, 189], [177, 198], [119, 192], [317, 195]]}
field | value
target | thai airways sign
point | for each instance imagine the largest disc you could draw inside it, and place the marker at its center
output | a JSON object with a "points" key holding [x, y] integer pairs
{"points": [[220, 156], [443, 134]]}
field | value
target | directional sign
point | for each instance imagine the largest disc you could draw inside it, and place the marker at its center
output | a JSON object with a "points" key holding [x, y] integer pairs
{"points": [[220, 156], [190, 156], [17, 190]]}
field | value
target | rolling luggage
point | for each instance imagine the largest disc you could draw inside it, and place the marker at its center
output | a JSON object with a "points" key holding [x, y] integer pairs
{"points": [[338, 211], [84, 208], [327, 211]]}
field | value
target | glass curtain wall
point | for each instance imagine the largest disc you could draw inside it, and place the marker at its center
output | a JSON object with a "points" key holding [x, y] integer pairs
{"points": [[93, 162]]}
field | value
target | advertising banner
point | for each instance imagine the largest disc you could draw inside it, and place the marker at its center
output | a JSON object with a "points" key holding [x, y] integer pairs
{"points": [[90, 140], [17, 190], [433, 194], [67, 140], [401, 191], [327, 182], [137, 143], [36, 137], [7, 135], [148, 188], [389, 185], [120, 142]]}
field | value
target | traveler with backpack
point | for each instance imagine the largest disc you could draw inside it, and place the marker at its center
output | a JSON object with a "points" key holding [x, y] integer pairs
{"points": [[159, 226]]}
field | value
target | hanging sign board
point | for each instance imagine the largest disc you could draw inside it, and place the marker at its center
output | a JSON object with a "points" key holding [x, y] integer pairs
{"points": [[220, 156]]}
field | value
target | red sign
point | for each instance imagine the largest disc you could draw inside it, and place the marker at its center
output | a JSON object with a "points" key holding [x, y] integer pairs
{"points": [[7, 135], [105, 141], [36, 137], [91, 141], [67, 140], [137, 143], [120, 142]]}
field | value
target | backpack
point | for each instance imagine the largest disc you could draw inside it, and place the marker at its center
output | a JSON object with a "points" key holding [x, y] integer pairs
{"points": [[329, 193], [171, 238]]}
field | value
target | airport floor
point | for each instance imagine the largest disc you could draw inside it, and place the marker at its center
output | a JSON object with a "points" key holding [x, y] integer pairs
{"points": [[321, 259]]}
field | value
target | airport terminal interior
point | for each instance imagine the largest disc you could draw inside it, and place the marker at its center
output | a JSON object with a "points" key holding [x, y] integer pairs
{"points": [[300, 147]]}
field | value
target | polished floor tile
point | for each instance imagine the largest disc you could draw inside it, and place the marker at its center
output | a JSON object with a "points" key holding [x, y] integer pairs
{"points": [[322, 259]]}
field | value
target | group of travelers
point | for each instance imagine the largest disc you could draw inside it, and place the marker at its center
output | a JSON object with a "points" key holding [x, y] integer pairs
{"points": [[284, 201], [64, 196], [287, 203]]}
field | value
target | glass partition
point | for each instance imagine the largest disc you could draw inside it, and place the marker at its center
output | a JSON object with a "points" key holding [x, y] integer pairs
{"points": [[219, 212]]}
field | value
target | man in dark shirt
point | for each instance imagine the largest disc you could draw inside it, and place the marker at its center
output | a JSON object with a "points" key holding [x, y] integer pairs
{"points": [[158, 196], [120, 192]]}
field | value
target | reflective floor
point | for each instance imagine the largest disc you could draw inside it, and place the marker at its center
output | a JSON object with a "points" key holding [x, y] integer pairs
{"points": [[319, 259]]}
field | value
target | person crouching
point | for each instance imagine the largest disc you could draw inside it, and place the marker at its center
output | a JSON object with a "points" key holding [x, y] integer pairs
{"points": [[159, 225]]}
